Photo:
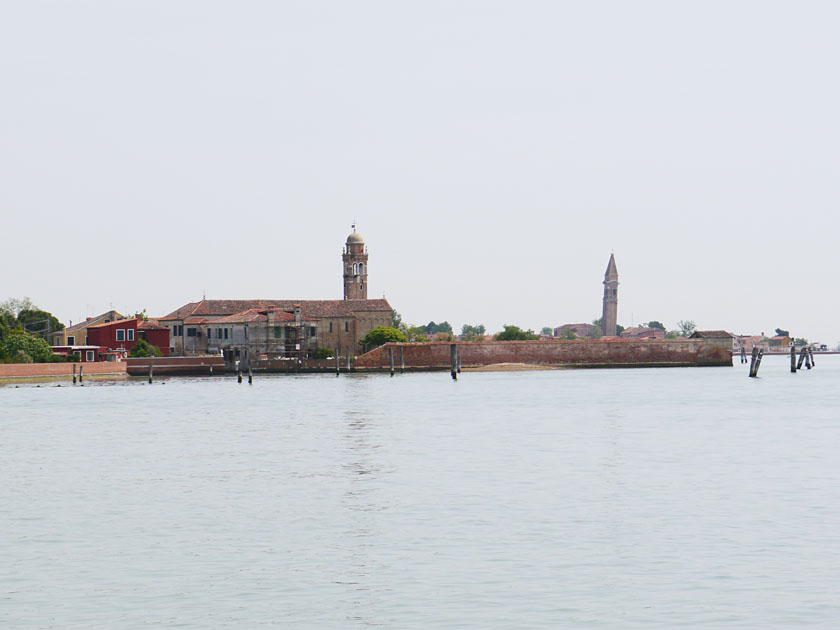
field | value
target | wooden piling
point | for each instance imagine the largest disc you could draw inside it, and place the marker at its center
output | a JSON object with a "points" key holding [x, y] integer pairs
{"points": [[337, 361], [807, 358], [250, 374], [391, 358], [402, 359], [802, 356], [753, 361], [758, 361], [743, 354], [238, 375], [80, 373], [348, 358], [211, 370], [811, 354], [151, 370], [74, 374], [793, 366], [453, 361]]}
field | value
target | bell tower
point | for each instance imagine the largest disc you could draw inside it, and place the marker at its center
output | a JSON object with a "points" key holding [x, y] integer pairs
{"points": [[609, 316], [355, 261]]}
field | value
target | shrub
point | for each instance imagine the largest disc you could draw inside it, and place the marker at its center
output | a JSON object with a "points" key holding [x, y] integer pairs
{"points": [[143, 348], [322, 353], [382, 335]]}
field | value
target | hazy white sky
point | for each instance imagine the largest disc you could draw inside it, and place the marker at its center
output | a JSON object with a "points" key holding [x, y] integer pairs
{"points": [[492, 153]]}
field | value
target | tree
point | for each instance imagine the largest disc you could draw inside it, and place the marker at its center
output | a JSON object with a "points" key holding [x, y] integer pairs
{"points": [[322, 353], [567, 334], [800, 341], [382, 335], [515, 333], [39, 323], [143, 348], [432, 328], [547, 330], [23, 348], [396, 319], [14, 306], [687, 327], [781, 332], [471, 332], [655, 324]]}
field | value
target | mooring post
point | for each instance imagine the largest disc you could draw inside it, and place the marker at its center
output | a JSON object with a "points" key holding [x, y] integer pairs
{"points": [[337, 361], [238, 373], [211, 369], [391, 358], [802, 356], [453, 361], [402, 360], [348, 358], [458, 356], [793, 366], [752, 361], [743, 354], [80, 373], [807, 358], [758, 361], [74, 374], [811, 354], [250, 373], [151, 370]]}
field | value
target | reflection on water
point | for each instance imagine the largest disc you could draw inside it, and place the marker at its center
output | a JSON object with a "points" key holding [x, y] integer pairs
{"points": [[626, 498]]}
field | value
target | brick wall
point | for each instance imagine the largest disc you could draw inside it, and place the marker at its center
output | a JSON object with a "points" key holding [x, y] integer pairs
{"points": [[12, 370], [582, 353]]}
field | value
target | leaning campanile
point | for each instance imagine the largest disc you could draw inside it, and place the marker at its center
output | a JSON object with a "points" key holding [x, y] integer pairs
{"points": [[609, 316]]}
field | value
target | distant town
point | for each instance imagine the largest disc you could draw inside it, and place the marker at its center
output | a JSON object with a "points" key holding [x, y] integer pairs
{"points": [[273, 329]]}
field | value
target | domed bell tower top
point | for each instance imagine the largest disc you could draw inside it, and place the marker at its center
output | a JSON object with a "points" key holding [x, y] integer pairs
{"points": [[355, 262]]}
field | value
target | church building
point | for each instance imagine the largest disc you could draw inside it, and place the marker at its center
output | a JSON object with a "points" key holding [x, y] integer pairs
{"points": [[609, 315]]}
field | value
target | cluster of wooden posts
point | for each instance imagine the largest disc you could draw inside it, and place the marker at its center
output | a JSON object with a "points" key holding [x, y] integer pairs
{"points": [[806, 356]]}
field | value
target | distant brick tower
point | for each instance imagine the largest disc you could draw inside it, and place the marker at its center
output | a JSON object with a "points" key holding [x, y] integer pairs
{"points": [[609, 316], [355, 259]]}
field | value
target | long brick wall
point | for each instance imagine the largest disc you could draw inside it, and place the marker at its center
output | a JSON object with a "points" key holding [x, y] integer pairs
{"points": [[34, 370], [578, 353]]}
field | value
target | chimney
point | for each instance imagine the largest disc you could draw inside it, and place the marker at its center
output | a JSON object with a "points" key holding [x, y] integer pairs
{"points": [[270, 316], [297, 313]]}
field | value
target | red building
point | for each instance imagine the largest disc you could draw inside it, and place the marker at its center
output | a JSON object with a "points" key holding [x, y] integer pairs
{"points": [[122, 334]]}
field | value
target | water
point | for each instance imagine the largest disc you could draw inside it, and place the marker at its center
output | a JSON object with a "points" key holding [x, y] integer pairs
{"points": [[575, 499]]}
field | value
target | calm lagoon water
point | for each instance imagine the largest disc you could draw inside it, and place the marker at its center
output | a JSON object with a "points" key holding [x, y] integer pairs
{"points": [[649, 498]]}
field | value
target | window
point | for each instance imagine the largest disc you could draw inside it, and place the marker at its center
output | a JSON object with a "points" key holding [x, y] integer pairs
{"points": [[226, 333], [120, 334], [71, 340], [89, 356], [355, 269], [346, 326], [245, 328], [277, 333], [218, 333], [330, 326], [361, 269], [130, 333], [312, 331], [191, 332]]}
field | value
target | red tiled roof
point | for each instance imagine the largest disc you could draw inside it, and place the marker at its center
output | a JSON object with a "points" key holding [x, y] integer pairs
{"points": [[259, 315], [713, 334], [115, 322], [93, 321], [150, 324], [309, 308]]}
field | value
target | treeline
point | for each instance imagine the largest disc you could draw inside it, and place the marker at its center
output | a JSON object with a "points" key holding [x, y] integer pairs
{"points": [[24, 332]]}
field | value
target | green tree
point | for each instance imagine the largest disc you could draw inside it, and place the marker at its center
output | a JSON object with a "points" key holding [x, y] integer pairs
{"points": [[800, 341], [322, 353], [381, 335], [13, 306], [567, 334], [687, 327], [443, 327], [547, 330], [471, 332], [18, 345], [39, 323], [143, 348], [396, 319], [655, 324], [515, 333], [781, 332]]}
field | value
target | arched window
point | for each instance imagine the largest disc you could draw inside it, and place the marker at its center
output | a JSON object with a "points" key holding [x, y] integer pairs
{"points": [[355, 269], [361, 269]]}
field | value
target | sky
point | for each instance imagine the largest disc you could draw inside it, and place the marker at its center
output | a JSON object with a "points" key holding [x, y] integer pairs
{"points": [[492, 154]]}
